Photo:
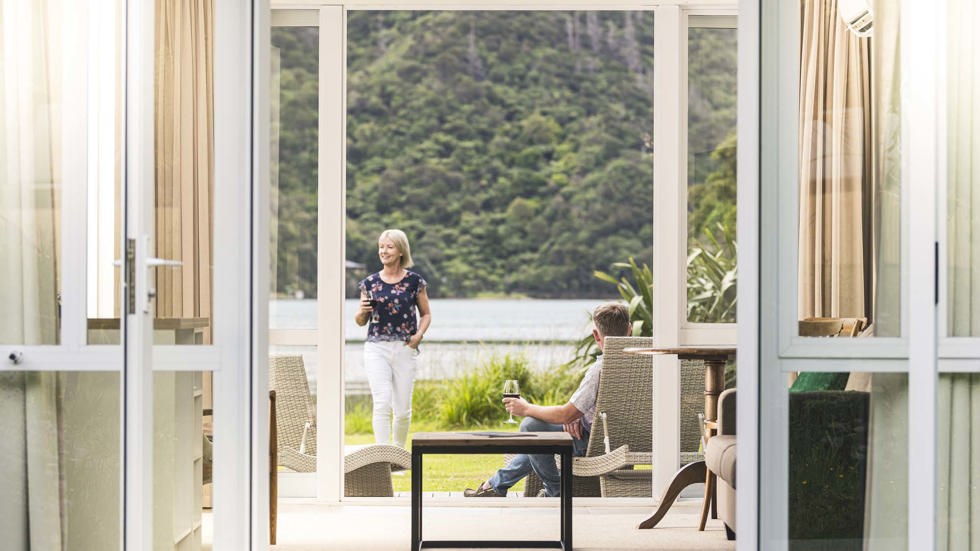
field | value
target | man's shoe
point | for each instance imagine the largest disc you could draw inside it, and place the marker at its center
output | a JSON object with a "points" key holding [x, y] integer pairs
{"points": [[483, 491]]}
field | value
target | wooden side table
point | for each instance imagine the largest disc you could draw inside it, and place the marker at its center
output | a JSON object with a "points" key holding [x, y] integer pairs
{"points": [[714, 358], [492, 443]]}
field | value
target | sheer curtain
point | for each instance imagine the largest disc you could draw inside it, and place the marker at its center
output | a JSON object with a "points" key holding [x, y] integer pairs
{"points": [[184, 156], [835, 166], [886, 515], [959, 394], [31, 511]]}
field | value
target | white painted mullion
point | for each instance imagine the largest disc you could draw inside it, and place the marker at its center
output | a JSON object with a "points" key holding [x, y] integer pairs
{"points": [[331, 214], [259, 267], [137, 330], [669, 283], [747, 226], [919, 50], [779, 93], [229, 357], [76, 58]]}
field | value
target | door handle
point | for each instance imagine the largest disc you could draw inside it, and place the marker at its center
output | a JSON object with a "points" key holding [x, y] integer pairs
{"points": [[153, 262]]}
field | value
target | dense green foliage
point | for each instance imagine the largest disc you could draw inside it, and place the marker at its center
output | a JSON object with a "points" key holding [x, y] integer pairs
{"points": [[472, 400], [514, 148], [712, 277]]}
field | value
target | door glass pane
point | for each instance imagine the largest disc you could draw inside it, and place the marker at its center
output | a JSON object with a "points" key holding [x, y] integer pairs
{"points": [[958, 399], [294, 149], [182, 461], [183, 240], [31, 176], [184, 161], [963, 147], [849, 171], [514, 149], [848, 462], [60, 470], [711, 148], [104, 178]]}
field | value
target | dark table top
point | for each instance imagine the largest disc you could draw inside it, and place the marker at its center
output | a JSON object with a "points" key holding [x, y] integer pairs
{"points": [[491, 438]]}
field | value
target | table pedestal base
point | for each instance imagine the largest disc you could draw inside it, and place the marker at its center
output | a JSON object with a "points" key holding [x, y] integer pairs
{"points": [[692, 473]]}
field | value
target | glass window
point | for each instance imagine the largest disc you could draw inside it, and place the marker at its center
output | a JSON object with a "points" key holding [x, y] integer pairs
{"points": [[294, 149], [957, 402], [849, 169], [31, 179], [515, 151], [711, 148], [848, 482], [60, 466], [184, 165]]}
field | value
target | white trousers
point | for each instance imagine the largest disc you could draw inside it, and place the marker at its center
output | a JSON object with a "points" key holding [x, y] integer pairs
{"points": [[390, 369]]}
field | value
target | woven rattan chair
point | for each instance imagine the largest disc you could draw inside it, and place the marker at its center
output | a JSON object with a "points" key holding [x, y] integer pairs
{"points": [[367, 471], [621, 437]]}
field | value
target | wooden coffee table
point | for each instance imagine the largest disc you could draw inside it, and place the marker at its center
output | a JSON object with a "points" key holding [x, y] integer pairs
{"points": [[492, 443]]}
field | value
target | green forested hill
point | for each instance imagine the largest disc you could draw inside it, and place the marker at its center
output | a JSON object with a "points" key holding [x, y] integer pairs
{"points": [[513, 148]]}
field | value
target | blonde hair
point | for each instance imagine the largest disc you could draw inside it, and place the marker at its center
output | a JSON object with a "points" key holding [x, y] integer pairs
{"points": [[400, 241], [612, 319]]}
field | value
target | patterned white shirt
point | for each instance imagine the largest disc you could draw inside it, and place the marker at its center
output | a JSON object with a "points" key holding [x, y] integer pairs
{"points": [[585, 395]]}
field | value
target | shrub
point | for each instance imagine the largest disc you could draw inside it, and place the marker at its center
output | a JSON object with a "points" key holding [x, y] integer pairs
{"points": [[473, 400]]}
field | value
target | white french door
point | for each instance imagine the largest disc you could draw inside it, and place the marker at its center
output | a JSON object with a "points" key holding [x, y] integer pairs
{"points": [[125, 148], [918, 363]]}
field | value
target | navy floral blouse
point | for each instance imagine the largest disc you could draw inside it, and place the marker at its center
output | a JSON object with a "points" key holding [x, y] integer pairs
{"points": [[394, 317]]}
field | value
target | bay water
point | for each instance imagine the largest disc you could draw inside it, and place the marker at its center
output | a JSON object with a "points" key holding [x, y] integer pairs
{"points": [[465, 333]]}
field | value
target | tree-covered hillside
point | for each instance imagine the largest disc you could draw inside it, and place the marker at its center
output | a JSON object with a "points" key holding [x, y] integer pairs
{"points": [[514, 148]]}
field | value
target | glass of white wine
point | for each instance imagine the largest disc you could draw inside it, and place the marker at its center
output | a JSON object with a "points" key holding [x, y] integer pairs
{"points": [[511, 390]]}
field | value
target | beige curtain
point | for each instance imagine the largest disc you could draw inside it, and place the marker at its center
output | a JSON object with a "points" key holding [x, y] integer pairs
{"points": [[184, 157], [31, 510], [835, 166], [958, 461]]}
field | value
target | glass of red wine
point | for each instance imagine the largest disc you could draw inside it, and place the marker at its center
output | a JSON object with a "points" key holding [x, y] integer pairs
{"points": [[373, 301], [511, 390]]}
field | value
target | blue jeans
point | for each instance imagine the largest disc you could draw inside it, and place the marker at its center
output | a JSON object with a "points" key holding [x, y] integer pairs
{"points": [[542, 464]]}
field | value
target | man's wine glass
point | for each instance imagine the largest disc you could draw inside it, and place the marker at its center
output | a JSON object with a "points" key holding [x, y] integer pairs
{"points": [[511, 390]]}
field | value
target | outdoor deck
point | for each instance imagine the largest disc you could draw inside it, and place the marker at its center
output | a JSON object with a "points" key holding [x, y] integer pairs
{"points": [[305, 525]]}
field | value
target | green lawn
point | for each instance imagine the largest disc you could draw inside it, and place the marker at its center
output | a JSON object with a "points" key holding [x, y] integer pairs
{"points": [[446, 473]]}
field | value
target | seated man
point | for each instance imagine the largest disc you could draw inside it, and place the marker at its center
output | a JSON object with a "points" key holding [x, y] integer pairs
{"points": [[575, 417]]}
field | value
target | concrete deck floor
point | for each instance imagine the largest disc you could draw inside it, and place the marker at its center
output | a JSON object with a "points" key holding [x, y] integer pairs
{"points": [[305, 525]]}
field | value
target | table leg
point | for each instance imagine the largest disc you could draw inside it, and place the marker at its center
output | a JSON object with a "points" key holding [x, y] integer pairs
{"points": [[692, 473], [709, 497], [416, 500], [714, 384], [566, 499]]}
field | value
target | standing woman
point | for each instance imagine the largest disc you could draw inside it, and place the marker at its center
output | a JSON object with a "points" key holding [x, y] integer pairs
{"points": [[389, 299]]}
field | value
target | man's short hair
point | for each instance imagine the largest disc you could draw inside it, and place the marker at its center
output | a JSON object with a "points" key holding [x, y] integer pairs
{"points": [[612, 319]]}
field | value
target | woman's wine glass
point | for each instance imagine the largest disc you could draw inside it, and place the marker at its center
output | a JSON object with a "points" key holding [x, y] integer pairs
{"points": [[511, 390]]}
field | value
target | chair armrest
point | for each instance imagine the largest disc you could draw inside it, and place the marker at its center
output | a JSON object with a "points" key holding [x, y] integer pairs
{"points": [[378, 453], [726, 412], [601, 464], [291, 458]]}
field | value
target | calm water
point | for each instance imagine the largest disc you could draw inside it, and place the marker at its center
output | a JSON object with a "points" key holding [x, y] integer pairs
{"points": [[463, 334]]}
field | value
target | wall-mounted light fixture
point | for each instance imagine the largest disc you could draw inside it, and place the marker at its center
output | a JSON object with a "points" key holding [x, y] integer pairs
{"points": [[857, 15]]}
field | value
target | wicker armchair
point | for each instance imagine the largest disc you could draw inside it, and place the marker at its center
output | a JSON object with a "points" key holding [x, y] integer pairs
{"points": [[367, 471], [622, 433]]}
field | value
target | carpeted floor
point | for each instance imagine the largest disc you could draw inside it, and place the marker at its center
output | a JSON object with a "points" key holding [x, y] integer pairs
{"points": [[316, 527]]}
